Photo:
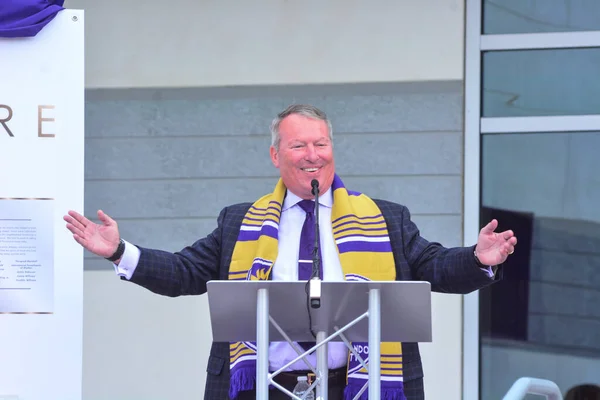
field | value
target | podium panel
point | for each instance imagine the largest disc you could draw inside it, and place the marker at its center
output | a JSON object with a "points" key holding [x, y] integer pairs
{"points": [[405, 310]]}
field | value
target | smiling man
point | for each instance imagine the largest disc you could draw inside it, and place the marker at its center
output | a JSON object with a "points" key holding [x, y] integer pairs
{"points": [[302, 149], [360, 238]]}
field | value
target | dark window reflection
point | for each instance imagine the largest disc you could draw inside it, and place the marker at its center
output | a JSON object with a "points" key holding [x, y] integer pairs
{"points": [[504, 311], [584, 392], [543, 319], [536, 16]]}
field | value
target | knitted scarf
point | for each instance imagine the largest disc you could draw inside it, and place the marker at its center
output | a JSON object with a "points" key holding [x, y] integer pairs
{"points": [[365, 252]]}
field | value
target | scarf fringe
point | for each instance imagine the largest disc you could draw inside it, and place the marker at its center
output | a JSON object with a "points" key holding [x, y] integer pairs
{"points": [[242, 379], [387, 393]]}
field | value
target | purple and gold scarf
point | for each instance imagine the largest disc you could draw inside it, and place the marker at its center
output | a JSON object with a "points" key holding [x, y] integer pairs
{"points": [[365, 252]]}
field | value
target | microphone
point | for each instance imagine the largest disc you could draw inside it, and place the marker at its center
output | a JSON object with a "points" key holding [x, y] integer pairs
{"points": [[315, 280], [315, 187]]}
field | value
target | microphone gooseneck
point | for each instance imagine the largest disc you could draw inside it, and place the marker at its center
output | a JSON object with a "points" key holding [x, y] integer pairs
{"points": [[315, 281]]}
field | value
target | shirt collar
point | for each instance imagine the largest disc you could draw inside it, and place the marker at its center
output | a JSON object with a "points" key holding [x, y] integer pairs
{"points": [[291, 199]]}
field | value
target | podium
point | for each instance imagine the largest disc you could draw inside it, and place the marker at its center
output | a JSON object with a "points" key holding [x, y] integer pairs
{"points": [[350, 311]]}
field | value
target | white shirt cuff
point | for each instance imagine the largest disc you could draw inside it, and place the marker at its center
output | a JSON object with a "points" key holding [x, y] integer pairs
{"points": [[128, 262], [491, 271]]}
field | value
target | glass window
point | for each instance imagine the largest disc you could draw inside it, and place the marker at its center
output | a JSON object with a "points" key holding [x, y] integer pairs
{"points": [[541, 82], [535, 16], [543, 319]]}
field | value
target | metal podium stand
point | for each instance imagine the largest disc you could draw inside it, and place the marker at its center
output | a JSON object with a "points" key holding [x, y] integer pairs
{"points": [[265, 311]]}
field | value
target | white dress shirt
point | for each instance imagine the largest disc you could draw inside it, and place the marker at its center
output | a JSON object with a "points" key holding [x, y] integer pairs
{"points": [[285, 269]]}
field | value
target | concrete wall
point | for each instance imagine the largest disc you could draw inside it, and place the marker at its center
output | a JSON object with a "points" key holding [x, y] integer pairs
{"points": [[185, 43]]}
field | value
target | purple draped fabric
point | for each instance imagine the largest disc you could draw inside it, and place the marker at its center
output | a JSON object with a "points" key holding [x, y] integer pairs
{"points": [[25, 18]]}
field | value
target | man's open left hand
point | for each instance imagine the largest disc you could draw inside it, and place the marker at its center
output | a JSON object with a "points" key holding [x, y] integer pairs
{"points": [[493, 248]]}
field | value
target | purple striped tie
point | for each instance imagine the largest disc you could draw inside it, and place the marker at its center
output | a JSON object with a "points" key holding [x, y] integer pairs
{"points": [[305, 255], [307, 243]]}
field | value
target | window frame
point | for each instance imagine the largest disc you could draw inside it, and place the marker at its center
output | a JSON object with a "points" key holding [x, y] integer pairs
{"points": [[475, 125]]}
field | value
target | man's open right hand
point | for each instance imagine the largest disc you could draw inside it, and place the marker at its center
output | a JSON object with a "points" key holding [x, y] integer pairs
{"points": [[101, 240]]}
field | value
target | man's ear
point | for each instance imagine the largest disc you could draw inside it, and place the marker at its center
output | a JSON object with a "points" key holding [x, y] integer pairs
{"points": [[274, 156]]}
